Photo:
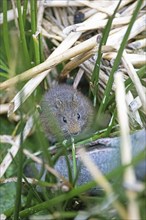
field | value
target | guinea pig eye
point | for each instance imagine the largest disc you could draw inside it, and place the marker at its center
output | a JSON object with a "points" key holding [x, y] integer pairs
{"points": [[78, 116], [64, 120]]}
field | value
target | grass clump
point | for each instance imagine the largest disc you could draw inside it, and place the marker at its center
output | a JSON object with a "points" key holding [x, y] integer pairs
{"points": [[102, 55]]}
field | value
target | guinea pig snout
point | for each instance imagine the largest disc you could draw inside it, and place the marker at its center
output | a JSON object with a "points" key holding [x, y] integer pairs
{"points": [[74, 130], [75, 133]]}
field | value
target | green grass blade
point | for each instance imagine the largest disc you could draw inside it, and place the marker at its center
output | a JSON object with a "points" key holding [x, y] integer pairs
{"points": [[35, 36], [95, 74], [128, 83], [56, 200], [118, 59], [22, 35], [6, 38], [25, 11], [74, 159], [19, 181], [33, 15], [36, 49]]}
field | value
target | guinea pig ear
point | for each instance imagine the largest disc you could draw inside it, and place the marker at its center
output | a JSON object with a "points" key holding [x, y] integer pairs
{"points": [[58, 103], [75, 100]]}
